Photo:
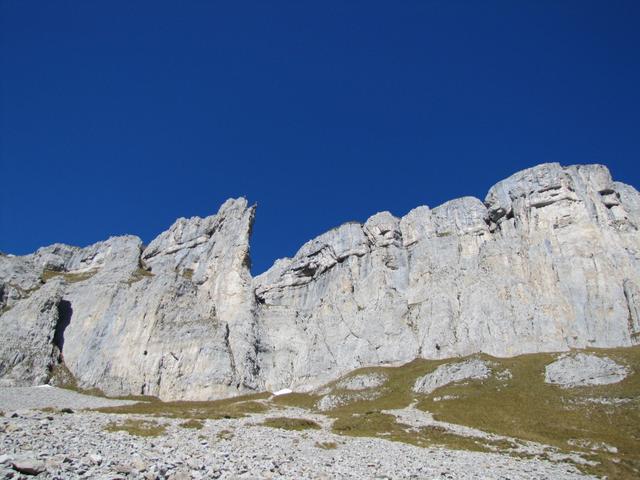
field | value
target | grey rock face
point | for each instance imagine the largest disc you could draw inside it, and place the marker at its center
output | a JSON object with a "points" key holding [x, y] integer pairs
{"points": [[452, 373], [172, 320], [548, 262], [29, 348], [184, 329], [583, 370]]}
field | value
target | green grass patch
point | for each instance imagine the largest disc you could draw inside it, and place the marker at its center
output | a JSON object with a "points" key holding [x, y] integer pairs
{"points": [[362, 417], [523, 407], [299, 400], [527, 408], [288, 423], [141, 428], [369, 424], [193, 424], [383, 425], [236, 407]]}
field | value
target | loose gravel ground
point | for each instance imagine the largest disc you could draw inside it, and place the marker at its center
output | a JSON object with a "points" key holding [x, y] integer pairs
{"points": [[46, 396], [79, 445]]}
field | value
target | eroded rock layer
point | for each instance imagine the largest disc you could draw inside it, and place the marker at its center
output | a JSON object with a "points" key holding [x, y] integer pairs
{"points": [[548, 262]]}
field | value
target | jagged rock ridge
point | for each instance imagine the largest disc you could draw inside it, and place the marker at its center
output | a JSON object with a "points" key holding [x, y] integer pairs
{"points": [[550, 261]]}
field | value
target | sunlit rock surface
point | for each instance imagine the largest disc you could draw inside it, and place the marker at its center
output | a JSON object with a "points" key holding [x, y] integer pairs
{"points": [[451, 373], [583, 370], [548, 262]]}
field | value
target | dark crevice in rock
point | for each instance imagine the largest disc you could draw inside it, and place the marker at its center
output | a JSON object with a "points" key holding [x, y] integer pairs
{"points": [[307, 270], [64, 319], [259, 299], [550, 188]]}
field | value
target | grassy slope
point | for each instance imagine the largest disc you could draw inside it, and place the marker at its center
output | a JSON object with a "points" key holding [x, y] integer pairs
{"points": [[522, 406], [526, 407]]}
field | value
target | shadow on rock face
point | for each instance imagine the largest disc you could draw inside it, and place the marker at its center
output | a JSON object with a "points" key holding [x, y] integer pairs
{"points": [[64, 319]]}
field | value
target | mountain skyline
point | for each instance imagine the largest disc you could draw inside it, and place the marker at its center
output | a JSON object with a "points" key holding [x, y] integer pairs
{"points": [[118, 118]]}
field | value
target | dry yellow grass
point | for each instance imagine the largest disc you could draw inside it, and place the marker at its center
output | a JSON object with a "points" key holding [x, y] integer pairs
{"points": [[229, 408], [70, 277], [288, 423], [523, 407], [141, 428]]}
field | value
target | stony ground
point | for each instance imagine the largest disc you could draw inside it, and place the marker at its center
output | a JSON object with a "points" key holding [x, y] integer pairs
{"points": [[83, 444], [46, 396]]}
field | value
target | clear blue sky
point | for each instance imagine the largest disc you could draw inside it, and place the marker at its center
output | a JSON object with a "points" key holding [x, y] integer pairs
{"points": [[120, 116]]}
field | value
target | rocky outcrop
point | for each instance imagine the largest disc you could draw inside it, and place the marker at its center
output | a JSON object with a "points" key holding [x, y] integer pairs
{"points": [[337, 400], [32, 335], [452, 373], [582, 370], [363, 386], [173, 319], [549, 261], [362, 381]]}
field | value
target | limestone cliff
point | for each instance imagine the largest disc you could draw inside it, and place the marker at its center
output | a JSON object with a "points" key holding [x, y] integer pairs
{"points": [[173, 319], [549, 261]]}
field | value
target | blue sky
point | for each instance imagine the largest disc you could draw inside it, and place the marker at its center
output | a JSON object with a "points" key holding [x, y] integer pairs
{"points": [[120, 116]]}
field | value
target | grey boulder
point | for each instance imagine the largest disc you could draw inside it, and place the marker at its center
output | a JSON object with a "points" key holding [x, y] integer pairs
{"points": [[583, 370], [446, 374]]}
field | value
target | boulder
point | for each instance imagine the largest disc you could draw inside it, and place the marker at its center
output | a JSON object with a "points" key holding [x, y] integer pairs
{"points": [[28, 466], [452, 373], [583, 370]]}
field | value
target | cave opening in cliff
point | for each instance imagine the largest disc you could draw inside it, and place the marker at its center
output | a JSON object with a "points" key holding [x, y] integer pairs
{"points": [[64, 319]]}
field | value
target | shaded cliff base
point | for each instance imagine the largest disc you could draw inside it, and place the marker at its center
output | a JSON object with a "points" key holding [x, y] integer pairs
{"points": [[510, 410]]}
